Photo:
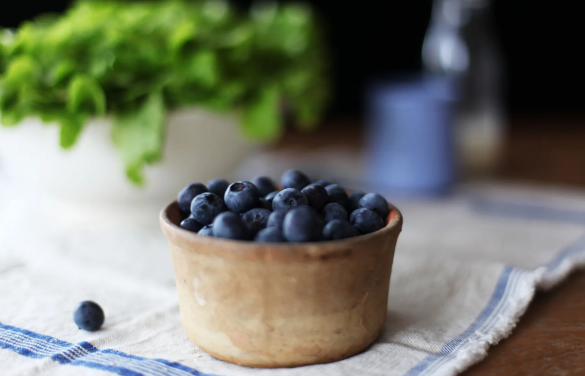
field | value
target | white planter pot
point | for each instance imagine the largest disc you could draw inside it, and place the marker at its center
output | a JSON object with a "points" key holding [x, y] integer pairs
{"points": [[199, 146]]}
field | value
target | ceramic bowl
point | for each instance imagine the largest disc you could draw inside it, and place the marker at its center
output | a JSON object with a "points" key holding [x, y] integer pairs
{"points": [[282, 305], [92, 172]]}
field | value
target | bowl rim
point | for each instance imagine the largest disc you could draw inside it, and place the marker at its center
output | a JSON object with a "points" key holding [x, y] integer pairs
{"points": [[174, 231]]}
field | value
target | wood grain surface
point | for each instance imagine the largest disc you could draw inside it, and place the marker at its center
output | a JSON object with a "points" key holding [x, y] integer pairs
{"points": [[550, 338]]}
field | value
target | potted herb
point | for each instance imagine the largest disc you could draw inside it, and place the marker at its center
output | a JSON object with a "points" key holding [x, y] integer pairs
{"points": [[179, 85]]}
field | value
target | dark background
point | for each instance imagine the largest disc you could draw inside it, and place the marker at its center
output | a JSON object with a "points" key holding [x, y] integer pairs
{"points": [[542, 43]]}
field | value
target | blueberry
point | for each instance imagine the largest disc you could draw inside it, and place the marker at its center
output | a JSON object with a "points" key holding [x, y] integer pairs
{"points": [[316, 196], [229, 225], [269, 197], [338, 229], [337, 194], [256, 219], [333, 211], [323, 182], [218, 186], [265, 185], [287, 199], [276, 219], [302, 224], [89, 316], [375, 203], [191, 224], [206, 206], [294, 179], [354, 199], [366, 221], [188, 194], [270, 235], [241, 196], [206, 230]]}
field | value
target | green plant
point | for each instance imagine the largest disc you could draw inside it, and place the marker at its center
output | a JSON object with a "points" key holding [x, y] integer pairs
{"points": [[134, 61]]}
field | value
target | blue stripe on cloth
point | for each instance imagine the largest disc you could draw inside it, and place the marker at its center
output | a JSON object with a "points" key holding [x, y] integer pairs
{"points": [[488, 324], [483, 316], [573, 249], [84, 354], [504, 285]]}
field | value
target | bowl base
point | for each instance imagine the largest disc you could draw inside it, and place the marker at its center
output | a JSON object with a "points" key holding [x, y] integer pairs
{"points": [[283, 364]]}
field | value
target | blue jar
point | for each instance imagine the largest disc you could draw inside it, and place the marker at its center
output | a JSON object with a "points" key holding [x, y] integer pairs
{"points": [[410, 146]]}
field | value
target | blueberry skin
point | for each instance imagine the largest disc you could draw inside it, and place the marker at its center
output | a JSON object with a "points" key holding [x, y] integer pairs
{"points": [[276, 219], [241, 196], [265, 185], [316, 196], [337, 194], [302, 224], [270, 235], [218, 186], [354, 200], [366, 221], [294, 179], [191, 224], [269, 198], [288, 199], [323, 182], [229, 225], [333, 211], [375, 203], [206, 206], [188, 194], [206, 230], [256, 219], [338, 229], [89, 316]]}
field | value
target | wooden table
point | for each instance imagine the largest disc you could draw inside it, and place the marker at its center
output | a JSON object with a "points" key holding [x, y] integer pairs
{"points": [[550, 337]]}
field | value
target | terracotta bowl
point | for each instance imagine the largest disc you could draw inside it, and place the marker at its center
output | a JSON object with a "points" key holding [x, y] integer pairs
{"points": [[282, 305]]}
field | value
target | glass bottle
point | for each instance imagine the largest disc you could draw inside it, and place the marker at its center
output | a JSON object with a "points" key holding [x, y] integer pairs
{"points": [[460, 42]]}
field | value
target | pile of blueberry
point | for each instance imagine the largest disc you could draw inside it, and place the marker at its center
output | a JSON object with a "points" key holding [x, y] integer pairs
{"points": [[301, 212]]}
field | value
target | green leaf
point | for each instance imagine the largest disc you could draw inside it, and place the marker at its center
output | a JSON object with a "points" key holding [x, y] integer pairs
{"points": [[216, 10], [8, 99], [139, 136], [61, 71], [181, 35], [203, 68], [20, 70], [307, 94], [70, 125], [50, 116], [2, 57], [261, 118], [307, 117], [70, 128], [135, 174], [85, 90], [12, 117]]}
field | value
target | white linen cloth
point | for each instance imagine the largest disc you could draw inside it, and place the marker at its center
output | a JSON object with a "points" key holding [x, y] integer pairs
{"points": [[465, 270]]}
